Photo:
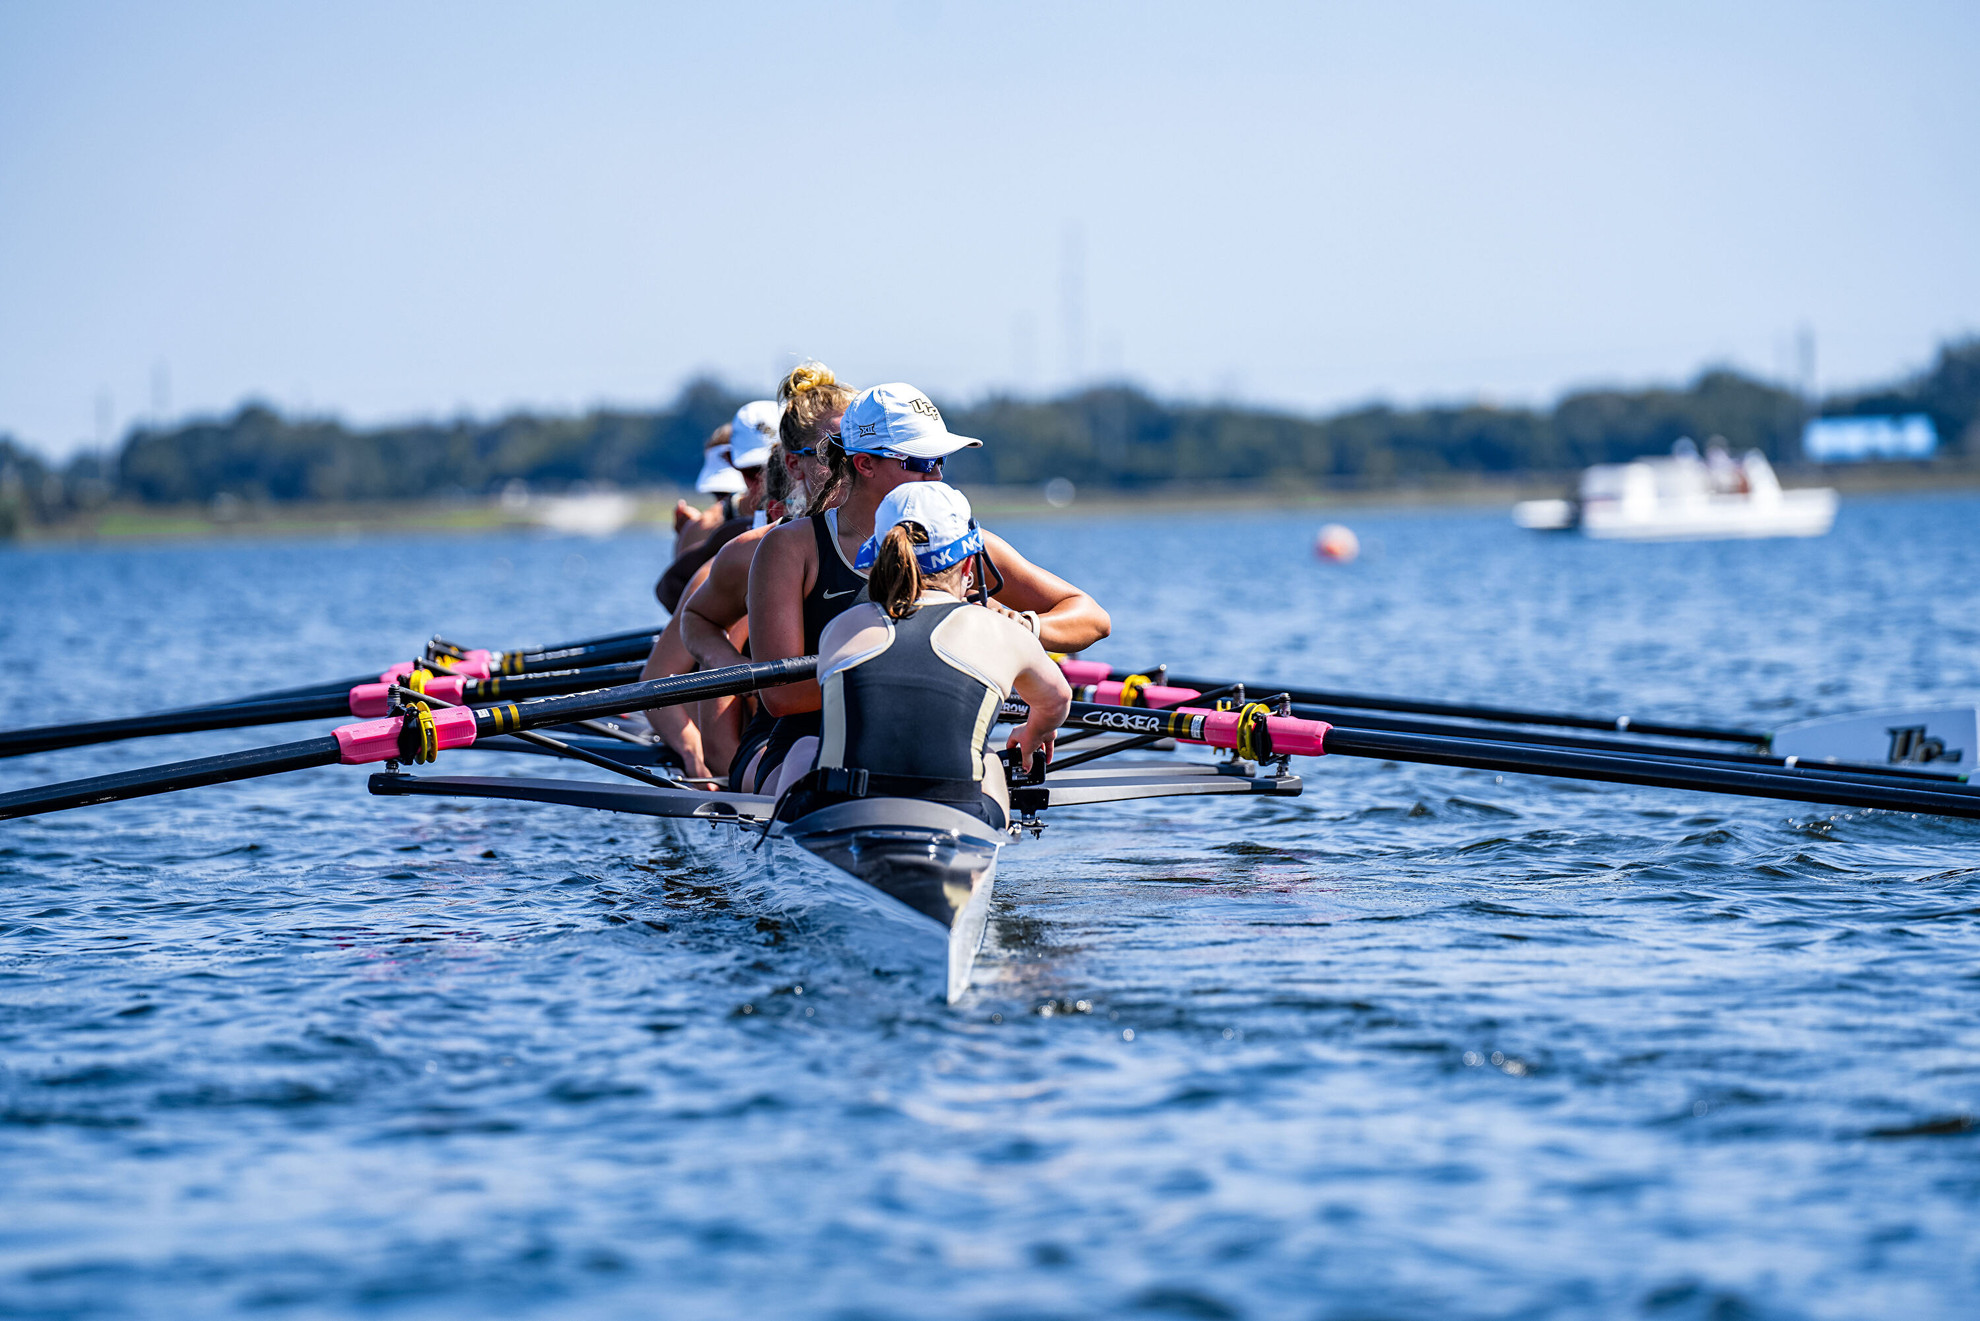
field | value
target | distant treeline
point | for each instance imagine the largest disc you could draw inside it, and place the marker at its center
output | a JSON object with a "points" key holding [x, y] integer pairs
{"points": [[1105, 437]]}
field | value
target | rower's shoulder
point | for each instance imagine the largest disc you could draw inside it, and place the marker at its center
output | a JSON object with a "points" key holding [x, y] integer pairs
{"points": [[853, 635], [975, 627], [794, 533], [745, 543]]}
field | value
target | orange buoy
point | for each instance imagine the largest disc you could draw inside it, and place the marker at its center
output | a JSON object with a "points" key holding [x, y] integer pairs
{"points": [[1336, 543]]}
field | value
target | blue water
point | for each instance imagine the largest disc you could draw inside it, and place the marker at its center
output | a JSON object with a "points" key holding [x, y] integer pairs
{"points": [[1421, 1043]]}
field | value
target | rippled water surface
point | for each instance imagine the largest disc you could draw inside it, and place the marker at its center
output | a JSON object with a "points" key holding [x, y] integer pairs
{"points": [[1421, 1043]]}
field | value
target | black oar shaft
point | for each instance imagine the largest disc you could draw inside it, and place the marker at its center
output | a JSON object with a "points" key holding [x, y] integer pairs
{"points": [[20, 742], [1472, 711], [598, 653], [321, 751], [1793, 785], [1589, 743], [669, 691], [606, 650]]}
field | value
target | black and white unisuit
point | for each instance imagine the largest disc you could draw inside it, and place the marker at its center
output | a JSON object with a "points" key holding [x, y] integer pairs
{"points": [[913, 701]]}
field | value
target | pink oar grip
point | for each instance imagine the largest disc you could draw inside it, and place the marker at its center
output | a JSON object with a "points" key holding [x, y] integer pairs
{"points": [[1152, 694], [454, 727], [1085, 672], [369, 740], [472, 664], [1290, 734], [378, 740], [369, 700]]}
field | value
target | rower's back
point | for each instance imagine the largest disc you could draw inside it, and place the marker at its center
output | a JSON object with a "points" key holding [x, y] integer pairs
{"points": [[912, 700]]}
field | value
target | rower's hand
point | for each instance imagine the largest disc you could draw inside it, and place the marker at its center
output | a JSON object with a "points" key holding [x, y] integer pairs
{"points": [[1029, 741]]}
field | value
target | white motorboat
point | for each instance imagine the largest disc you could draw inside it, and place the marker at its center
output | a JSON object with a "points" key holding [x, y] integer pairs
{"points": [[1685, 497]]}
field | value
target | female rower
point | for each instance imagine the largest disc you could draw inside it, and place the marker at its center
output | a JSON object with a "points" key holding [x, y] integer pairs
{"points": [[912, 679], [813, 399], [709, 630], [804, 576], [752, 433]]}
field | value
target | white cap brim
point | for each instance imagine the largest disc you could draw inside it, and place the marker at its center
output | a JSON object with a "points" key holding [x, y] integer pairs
{"points": [[717, 477], [754, 457], [937, 446]]}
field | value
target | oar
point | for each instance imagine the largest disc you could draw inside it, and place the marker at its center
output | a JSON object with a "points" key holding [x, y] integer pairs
{"points": [[365, 699], [1256, 735], [611, 649], [415, 736], [1166, 696], [1933, 743], [1080, 672]]}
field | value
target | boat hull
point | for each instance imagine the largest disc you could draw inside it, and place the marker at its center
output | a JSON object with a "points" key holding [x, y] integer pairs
{"points": [[933, 860]]}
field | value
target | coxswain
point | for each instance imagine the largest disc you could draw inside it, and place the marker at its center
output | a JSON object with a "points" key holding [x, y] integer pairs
{"points": [[913, 678], [751, 433], [804, 575]]}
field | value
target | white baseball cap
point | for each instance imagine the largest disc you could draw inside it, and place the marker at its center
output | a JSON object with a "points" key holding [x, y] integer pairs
{"points": [[717, 477], [898, 421], [943, 513], [753, 433]]}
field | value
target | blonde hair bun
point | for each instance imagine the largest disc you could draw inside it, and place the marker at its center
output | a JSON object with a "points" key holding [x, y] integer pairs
{"points": [[804, 378]]}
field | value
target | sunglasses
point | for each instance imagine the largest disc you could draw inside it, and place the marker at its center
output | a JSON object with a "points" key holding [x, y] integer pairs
{"points": [[922, 466]]}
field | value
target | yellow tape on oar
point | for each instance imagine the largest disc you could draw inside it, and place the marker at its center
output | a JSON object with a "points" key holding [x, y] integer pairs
{"points": [[426, 743], [1254, 736], [505, 717]]}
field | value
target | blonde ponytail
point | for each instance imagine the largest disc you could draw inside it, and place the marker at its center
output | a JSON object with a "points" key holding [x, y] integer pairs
{"points": [[895, 582]]}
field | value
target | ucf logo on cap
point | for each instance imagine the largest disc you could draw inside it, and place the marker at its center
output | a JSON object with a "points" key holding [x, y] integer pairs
{"points": [[901, 421]]}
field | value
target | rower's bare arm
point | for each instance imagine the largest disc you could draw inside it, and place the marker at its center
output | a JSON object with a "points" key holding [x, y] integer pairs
{"points": [[715, 606], [776, 611], [1068, 619], [1045, 691], [672, 723], [698, 529]]}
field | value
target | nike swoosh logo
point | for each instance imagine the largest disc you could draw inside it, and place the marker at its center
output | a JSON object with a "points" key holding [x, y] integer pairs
{"points": [[848, 592]]}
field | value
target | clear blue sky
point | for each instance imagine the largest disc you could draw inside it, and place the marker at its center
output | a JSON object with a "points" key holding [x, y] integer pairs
{"points": [[394, 210]]}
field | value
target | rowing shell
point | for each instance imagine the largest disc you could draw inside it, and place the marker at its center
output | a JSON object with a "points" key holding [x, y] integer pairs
{"points": [[934, 862]]}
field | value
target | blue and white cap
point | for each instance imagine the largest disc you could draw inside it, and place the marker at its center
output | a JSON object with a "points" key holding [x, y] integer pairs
{"points": [[753, 432], [942, 512], [897, 420]]}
